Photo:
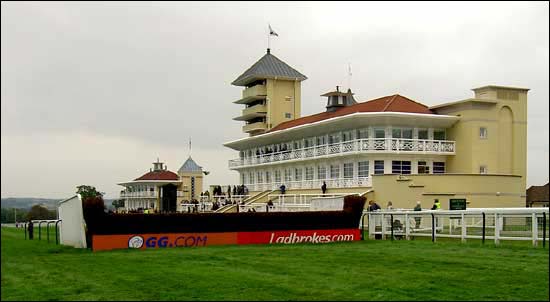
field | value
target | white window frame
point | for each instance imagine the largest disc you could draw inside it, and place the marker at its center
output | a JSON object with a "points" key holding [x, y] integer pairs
{"points": [[483, 132]]}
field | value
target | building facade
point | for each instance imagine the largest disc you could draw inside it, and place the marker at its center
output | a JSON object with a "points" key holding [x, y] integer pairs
{"points": [[163, 190], [392, 148]]}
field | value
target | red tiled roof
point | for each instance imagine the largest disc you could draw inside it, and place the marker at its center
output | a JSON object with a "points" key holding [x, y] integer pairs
{"points": [[391, 103], [159, 175]]}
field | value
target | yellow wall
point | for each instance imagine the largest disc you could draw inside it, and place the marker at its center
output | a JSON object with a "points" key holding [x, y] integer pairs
{"points": [[186, 186], [480, 190], [504, 151], [277, 105]]}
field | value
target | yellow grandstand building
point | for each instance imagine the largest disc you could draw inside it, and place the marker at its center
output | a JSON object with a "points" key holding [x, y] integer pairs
{"points": [[391, 148]]}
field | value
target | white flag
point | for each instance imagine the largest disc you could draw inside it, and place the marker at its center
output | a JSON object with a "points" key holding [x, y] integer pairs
{"points": [[272, 32]]}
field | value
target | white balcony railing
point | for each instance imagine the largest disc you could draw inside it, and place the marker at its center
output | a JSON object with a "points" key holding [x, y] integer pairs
{"points": [[145, 194], [313, 184], [367, 145]]}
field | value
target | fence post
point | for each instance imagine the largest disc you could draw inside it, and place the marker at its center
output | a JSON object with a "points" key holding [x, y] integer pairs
{"points": [[56, 231], [463, 228], [391, 226], [534, 228], [383, 227], [267, 208], [497, 229], [483, 230], [544, 229], [407, 230], [433, 227], [48, 231]]}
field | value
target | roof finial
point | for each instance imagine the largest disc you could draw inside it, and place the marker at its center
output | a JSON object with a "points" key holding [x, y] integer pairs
{"points": [[268, 50]]}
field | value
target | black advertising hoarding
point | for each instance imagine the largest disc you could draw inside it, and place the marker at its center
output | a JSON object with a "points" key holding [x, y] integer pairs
{"points": [[457, 204]]}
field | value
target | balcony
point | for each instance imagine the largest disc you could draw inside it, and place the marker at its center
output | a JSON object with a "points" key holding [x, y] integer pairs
{"points": [[253, 93], [145, 194], [258, 110], [360, 146], [313, 184], [258, 126]]}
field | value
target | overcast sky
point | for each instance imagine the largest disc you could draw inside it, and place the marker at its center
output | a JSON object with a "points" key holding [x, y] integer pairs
{"points": [[92, 93]]}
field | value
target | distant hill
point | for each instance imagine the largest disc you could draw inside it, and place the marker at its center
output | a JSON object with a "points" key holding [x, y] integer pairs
{"points": [[28, 202]]}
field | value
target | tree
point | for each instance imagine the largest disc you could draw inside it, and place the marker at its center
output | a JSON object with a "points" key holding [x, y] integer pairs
{"points": [[118, 203], [39, 212], [86, 192]]}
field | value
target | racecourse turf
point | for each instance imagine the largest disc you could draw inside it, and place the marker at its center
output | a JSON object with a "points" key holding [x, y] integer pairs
{"points": [[366, 270]]}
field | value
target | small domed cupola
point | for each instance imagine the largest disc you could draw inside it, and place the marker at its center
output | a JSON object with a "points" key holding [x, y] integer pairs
{"points": [[339, 99]]}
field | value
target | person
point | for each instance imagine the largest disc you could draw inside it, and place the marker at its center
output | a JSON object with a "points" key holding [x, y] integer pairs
{"points": [[234, 190], [390, 205], [324, 187], [417, 219], [437, 205], [283, 189], [373, 206], [31, 230], [229, 191]]}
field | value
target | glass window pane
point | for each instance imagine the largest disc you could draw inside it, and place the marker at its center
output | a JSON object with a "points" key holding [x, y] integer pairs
{"points": [[422, 134], [439, 134], [407, 133], [396, 133], [379, 133]]}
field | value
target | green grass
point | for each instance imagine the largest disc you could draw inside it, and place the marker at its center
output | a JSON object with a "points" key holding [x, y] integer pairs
{"points": [[367, 270]]}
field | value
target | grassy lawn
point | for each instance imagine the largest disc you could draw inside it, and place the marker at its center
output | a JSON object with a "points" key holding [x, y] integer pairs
{"points": [[367, 270]]}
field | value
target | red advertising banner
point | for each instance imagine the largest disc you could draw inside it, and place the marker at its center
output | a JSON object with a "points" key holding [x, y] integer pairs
{"points": [[143, 241]]}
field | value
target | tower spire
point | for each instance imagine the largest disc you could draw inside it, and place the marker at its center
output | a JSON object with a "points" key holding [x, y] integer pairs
{"points": [[189, 147]]}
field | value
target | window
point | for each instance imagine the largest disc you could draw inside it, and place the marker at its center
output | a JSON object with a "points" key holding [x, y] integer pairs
{"points": [[362, 133], [483, 169], [346, 136], [251, 177], [401, 133], [422, 133], [378, 167], [482, 132], [297, 145], [401, 167], [287, 175], [243, 178], [334, 138], [439, 167], [309, 142], [298, 174], [309, 173], [340, 100], [334, 171], [288, 98], [288, 115], [321, 140], [423, 167], [348, 170], [439, 135], [260, 177], [267, 177], [321, 172], [277, 176], [363, 169], [379, 133]]}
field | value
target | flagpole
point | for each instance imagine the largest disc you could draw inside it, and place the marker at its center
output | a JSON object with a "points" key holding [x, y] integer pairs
{"points": [[268, 39]]}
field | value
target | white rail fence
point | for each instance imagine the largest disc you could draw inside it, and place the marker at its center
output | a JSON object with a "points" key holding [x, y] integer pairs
{"points": [[497, 224]]}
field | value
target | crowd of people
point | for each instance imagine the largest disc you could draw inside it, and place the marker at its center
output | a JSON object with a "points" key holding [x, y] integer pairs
{"points": [[236, 190]]}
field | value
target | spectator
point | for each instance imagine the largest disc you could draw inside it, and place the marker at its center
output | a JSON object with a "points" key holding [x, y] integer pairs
{"points": [[234, 190], [373, 206], [229, 191], [390, 205], [417, 220], [283, 189], [437, 205], [324, 187]]}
